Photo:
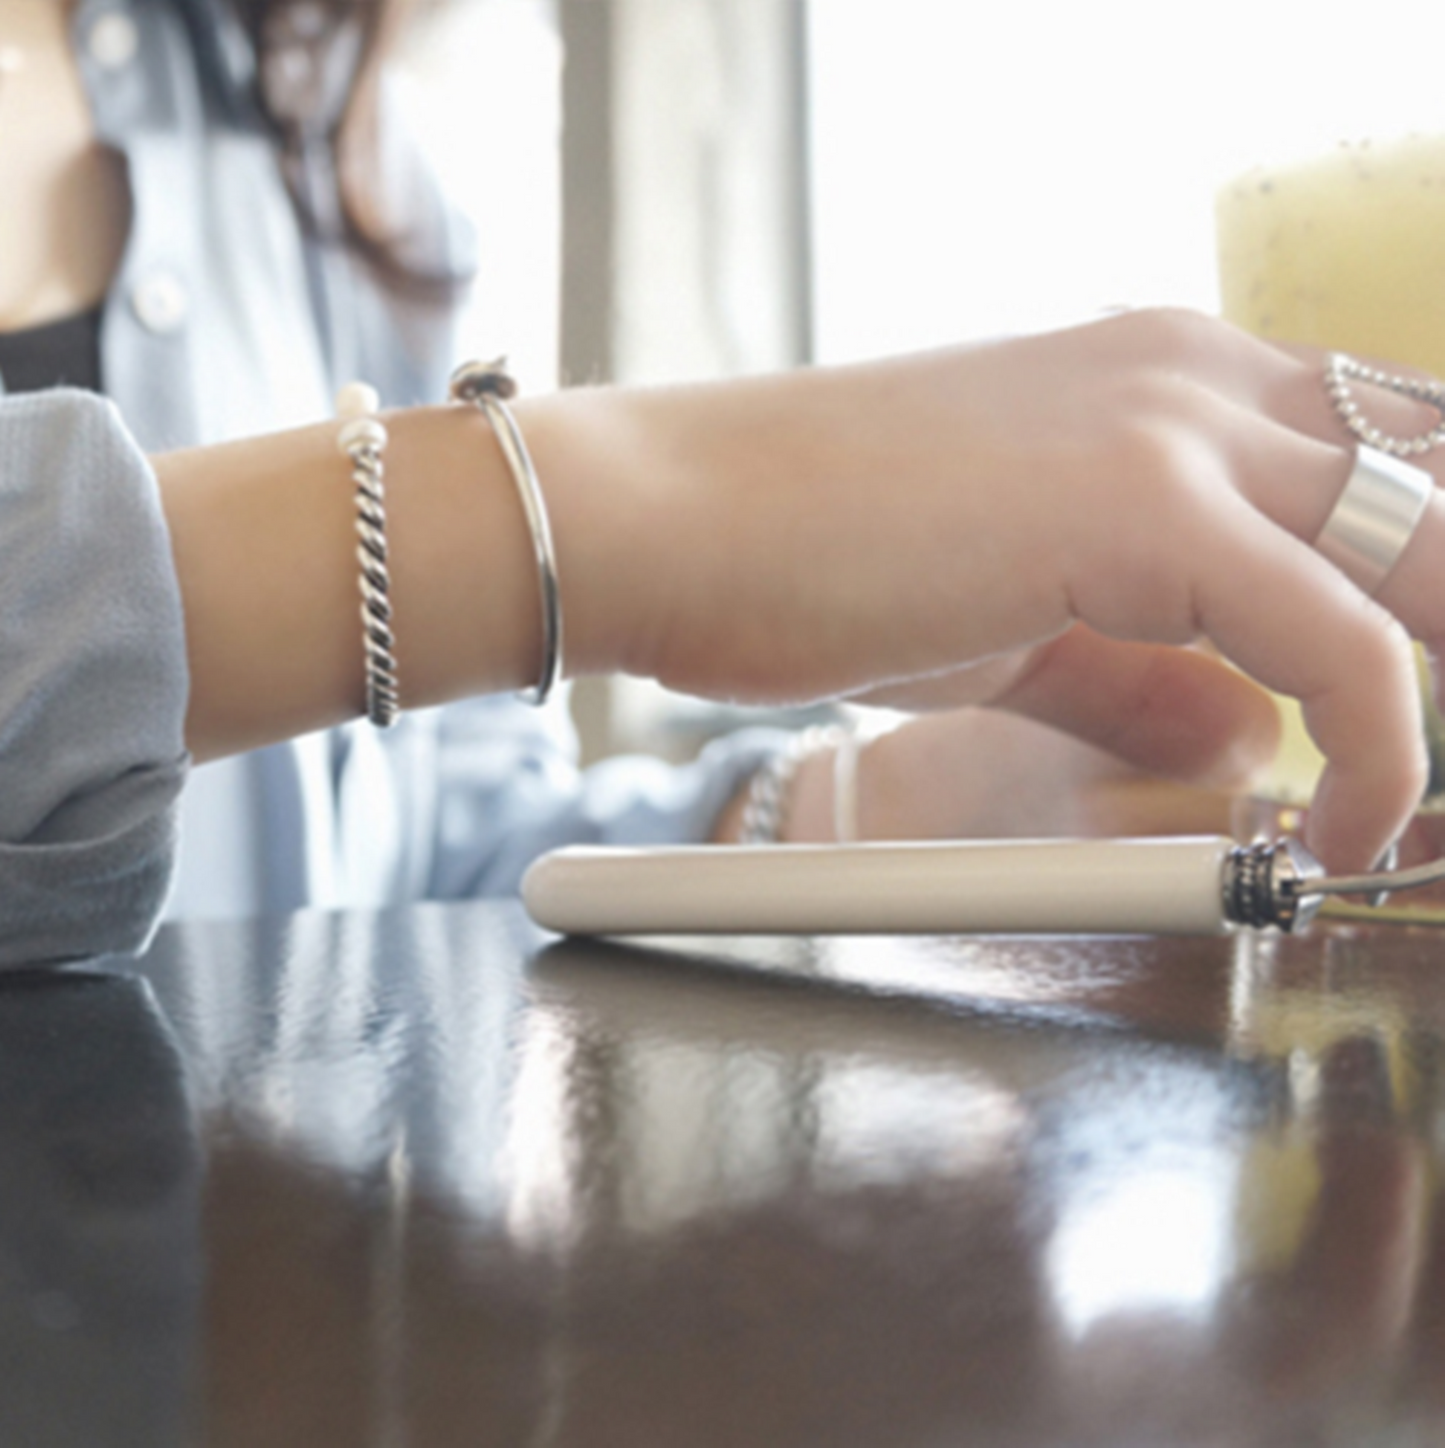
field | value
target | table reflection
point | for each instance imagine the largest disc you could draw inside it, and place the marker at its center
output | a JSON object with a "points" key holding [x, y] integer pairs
{"points": [[100, 1271], [461, 1185]]}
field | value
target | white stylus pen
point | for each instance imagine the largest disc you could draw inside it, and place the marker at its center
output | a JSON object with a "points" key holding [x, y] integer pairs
{"points": [[1175, 886]]}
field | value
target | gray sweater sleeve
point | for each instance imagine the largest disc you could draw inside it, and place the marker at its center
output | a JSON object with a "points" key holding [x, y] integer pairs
{"points": [[92, 684]]}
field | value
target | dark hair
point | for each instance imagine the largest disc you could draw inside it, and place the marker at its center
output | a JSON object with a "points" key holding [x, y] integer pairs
{"points": [[314, 82]]}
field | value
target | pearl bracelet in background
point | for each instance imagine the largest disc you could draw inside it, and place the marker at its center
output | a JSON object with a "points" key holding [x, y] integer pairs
{"points": [[765, 809]]}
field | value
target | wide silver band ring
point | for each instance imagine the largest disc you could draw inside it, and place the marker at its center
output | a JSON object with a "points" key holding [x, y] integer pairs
{"points": [[1375, 517]]}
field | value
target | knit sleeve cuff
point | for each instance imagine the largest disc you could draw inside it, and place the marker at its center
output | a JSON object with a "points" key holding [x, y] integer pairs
{"points": [[93, 684]]}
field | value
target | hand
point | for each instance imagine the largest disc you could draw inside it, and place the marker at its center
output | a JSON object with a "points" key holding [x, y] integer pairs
{"points": [[1163, 747], [1152, 477], [983, 774], [1179, 713], [1009, 523], [1130, 739]]}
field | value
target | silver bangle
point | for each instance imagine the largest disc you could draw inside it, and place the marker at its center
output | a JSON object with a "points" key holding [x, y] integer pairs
{"points": [[363, 440], [488, 385]]}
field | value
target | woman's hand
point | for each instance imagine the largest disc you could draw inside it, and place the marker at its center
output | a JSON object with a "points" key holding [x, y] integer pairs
{"points": [[1163, 746], [1038, 524], [1153, 478]]}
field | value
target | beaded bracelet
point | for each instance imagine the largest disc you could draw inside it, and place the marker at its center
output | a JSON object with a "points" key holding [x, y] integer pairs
{"points": [[1341, 369], [765, 809]]}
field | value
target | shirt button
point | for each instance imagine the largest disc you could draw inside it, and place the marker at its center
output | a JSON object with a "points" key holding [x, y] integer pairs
{"points": [[113, 40], [161, 303]]}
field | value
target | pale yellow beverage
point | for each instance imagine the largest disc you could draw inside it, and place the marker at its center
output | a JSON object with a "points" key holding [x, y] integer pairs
{"points": [[1345, 251]]}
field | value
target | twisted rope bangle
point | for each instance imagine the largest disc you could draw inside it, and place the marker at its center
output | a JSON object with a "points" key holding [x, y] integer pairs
{"points": [[488, 385], [363, 439]]}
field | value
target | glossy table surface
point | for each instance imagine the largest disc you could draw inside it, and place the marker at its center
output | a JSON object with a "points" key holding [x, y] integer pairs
{"points": [[424, 1178]]}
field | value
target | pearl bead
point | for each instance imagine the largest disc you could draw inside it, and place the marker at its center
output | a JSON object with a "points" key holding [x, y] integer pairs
{"points": [[357, 399]]}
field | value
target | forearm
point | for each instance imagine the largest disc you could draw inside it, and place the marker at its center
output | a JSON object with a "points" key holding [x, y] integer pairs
{"points": [[741, 540], [264, 540], [674, 512], [1152, 478]]}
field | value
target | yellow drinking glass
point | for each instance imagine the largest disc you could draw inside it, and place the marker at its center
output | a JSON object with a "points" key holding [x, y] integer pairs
{"points": [[1344, 250]]}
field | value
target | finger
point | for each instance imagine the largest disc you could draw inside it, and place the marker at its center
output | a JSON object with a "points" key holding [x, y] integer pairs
{"points": [[1306, 405], [1296, 624], [1169, 711], [1270, 602], [1283, 380], [1297, 480], [1261, 395]]}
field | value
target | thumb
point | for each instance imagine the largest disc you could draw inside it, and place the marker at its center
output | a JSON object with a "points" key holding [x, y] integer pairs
{"points": [[1170, 711]]}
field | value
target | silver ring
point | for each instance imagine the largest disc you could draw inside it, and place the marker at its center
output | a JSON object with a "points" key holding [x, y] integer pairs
{"points": [[1375, 517]]}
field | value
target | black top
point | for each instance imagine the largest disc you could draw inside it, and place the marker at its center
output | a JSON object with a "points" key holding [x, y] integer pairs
{"points": [[58, 354]]}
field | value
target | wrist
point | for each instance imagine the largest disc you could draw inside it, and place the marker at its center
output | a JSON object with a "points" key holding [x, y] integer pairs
{"points": [[464, 577], [613, 512], [680, 514]]}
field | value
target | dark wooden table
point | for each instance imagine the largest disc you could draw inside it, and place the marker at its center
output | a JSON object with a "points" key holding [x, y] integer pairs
{"points": [[421, 1179]]}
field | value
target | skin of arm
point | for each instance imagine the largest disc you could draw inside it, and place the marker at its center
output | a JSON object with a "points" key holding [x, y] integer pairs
{"points": [[70, 191], [1069, 509]]}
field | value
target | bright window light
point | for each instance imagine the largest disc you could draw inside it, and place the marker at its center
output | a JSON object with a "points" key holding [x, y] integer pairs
{"points": [[987, 169], [1150, 1243], [482, 93]]}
